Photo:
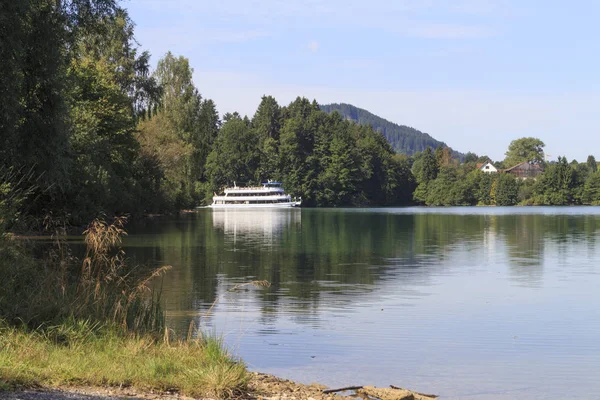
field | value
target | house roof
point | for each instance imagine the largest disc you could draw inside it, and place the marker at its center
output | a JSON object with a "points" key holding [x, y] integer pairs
{"points": [[536, 166], [479, 165]]}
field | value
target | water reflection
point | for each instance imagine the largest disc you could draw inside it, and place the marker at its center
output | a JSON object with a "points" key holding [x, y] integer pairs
{"points": [[255, 223], [445, 288], [332, 257]]}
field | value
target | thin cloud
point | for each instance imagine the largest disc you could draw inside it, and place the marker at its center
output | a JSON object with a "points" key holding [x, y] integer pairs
{"points": [[313, 46], [445, 31]]}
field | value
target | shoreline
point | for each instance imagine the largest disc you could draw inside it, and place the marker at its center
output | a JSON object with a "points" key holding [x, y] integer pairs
{"points": [[260, 386]]}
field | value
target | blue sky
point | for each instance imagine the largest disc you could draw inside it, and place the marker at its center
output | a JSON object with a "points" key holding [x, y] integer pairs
{"points": [[473, 73]]}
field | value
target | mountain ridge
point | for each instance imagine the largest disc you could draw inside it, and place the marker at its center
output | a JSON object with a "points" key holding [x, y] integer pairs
{"points": [[403, 139]]}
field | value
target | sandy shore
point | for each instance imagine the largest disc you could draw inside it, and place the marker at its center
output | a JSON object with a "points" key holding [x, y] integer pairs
{"points": [[260, 387]]}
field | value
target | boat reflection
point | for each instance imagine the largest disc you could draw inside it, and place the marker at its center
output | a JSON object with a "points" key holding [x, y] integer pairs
{"points": [[255, 222]]}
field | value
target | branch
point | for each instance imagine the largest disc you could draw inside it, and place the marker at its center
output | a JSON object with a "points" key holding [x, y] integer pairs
{"points": [[342, 389]]}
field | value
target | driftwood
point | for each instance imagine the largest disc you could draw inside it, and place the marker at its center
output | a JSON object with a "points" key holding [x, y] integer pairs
{"points": [[435, 396], [326, 391], [367, 388]]}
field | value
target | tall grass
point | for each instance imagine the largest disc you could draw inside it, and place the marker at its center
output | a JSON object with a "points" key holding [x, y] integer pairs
{"points": [[103, 287], [94, 320], [109, 289]]}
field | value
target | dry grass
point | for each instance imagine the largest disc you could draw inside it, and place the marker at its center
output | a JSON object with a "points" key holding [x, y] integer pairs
{"points": [[110, 289], [103, 287]]}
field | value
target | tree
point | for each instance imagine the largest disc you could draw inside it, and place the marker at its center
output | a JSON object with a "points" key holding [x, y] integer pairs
{"points": [[267, 119], [109, 80], [168, 155], [471, 157], [187, 125], [591, 163], [33, 84], [425, 169], [505, 190], [340, 169], [525, 149], [398, 181], [555, 186], [234, 157], [441, 190], [428, 169], [267, 124], [482, 186], [205, 134], [443, 157], [591, 191], [298, 165]]}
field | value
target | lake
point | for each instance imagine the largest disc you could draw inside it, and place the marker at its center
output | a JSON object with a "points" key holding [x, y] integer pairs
{"points": [[472, 302]]}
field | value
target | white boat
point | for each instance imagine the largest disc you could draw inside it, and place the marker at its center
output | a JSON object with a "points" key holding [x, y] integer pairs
{"points": [[270, 194]]}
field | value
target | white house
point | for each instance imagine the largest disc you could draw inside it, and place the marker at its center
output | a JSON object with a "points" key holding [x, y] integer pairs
{"points": [[487, 167]]}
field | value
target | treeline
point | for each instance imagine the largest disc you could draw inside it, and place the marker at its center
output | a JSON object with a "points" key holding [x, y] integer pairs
{"points": [[87, 128], [74, 86], [443, 181], [321, 157], [95, 130], [403, 139]]}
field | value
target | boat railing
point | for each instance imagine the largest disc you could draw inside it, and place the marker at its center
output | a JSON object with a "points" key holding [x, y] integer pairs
{"points": [[247, 188]]}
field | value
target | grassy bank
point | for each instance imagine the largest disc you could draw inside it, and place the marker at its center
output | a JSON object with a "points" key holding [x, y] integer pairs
{"points": [[79, 353], [94, 321]]}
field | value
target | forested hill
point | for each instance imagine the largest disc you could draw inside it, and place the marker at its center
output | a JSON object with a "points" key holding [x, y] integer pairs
{"points": [[404, 139]]}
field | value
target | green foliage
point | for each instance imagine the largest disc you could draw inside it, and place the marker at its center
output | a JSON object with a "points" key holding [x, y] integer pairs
{"points": [[235, 156], [524, 149], [471, 157], [426, 167], [102, 143], [267, 124], [482, 187], [33, 133], [555, 186], [267, 119], [180, 136], [591, 163], [168, 156], [298, 165], [591, 190], [340, 166], [443, 191], [464, 185], [15, 189], [504, 190], [101, 133]]}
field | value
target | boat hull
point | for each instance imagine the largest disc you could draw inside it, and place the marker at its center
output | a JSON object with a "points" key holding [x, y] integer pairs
{"points": [[273, 205]]}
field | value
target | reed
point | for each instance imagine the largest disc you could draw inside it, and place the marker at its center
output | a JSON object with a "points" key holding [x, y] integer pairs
{"points": [[103, 287], [95, 321]]}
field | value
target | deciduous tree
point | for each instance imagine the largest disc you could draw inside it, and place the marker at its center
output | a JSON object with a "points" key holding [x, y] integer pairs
{"points": [[528, 149]]}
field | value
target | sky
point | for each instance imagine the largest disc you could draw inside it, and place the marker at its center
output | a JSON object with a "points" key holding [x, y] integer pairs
{"points": [[475, 74]]}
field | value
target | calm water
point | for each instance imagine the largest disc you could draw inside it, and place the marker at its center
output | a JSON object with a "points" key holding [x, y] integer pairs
{"points": [[482, 303]]}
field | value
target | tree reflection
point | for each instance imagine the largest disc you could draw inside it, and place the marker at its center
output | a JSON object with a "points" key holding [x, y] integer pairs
{"points": [[324, 257]]}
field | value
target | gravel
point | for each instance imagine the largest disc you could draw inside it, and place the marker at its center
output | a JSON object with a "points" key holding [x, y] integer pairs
{"points": [[58, 395]]}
